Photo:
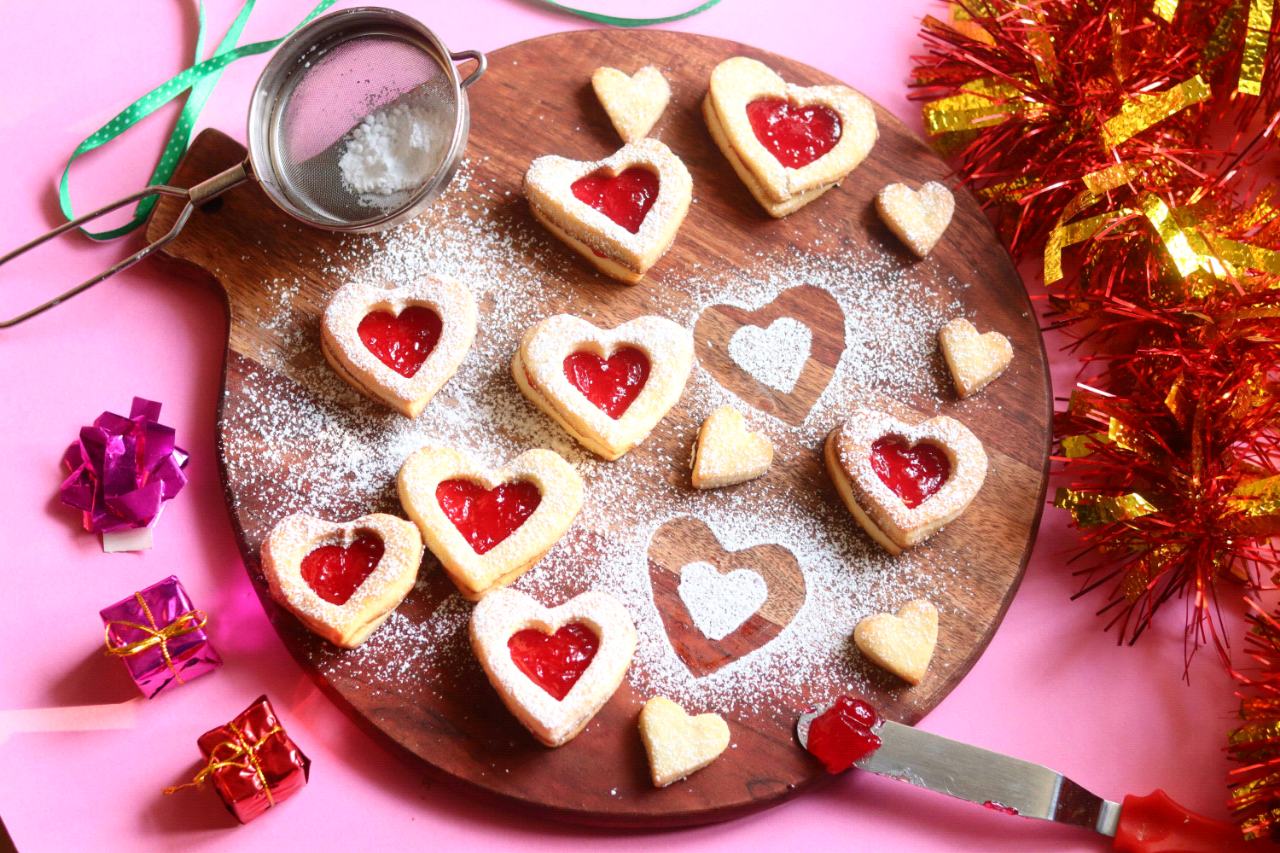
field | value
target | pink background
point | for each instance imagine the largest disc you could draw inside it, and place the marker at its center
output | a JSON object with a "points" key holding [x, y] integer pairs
{"points": [[82, 759]]}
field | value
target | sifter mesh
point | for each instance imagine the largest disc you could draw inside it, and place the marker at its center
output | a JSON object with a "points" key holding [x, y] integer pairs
{"points": [[330, 90]]}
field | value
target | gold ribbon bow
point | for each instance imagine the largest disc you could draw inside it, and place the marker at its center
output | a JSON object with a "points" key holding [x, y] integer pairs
{"points": [[185, 623], [235, 753]]}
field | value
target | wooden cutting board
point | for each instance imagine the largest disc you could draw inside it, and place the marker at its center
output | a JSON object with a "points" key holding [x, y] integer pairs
{"points": [[536, 99]]}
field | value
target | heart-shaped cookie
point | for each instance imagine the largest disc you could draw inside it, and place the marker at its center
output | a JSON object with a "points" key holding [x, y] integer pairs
{"points": [[534, 657], [789, 144], [727, 452], [903, 483], [399, 346], [634, 103], [342, 580], [901, 644], [736, 348], [681, 552], [678, 744], [917, 217], [488, 526], [973, 359], [608, 388], [620, 213]]}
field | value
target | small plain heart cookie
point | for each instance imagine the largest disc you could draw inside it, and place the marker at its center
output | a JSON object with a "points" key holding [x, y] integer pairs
{"points": [[973, 359], [608, 388], [917, 217], [789, 144], [901, 482], [727, 452], [635, 103], [901, 644], [342, 580], [679, 745], [620, 213], [554, 668], [399, 346], [488, 526]]}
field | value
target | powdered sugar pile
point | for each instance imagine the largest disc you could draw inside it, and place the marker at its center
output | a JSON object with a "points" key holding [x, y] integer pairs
{"points": [[391, 152]]}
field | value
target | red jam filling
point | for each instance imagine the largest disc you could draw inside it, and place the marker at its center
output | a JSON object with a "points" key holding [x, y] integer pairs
{"points": [[611, 384], [335, 572], [556, 661], [913, 473], [625, 197], [1000, 807], [795, 135], [401, 342], [483, 516], [843, 734]]}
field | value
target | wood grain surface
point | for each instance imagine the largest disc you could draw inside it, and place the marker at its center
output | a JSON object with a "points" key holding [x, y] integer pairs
{"points": [[453, 721]]}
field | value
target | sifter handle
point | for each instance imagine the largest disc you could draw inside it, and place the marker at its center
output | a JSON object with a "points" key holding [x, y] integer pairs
{"points": [[1157, 824], [481, 64]]}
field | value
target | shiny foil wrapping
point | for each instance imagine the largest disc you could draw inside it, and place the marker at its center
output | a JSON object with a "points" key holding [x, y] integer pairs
{"points": [[160, 637], [252, 762]]}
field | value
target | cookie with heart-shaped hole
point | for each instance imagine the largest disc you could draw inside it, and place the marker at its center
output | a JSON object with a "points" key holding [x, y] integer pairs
{"points": [[634, 102], [904, 482], [608, 388], [620, 213], [487, 526], [901, 643], [401, 345], [727, 452], [974, 359], [789, 144], [679, 744], [553, 667], [917, 217], [342, 580]]}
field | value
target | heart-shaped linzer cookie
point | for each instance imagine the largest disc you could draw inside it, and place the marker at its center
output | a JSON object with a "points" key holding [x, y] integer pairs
{"points": [[554, 668], [399, 346], [342, 580], [677, 743], [620, 213], [608, 388], [917, 217], [488, 526], [789, 144], [901, 644], [755, 364], [901, 482], [727, 452], [634, 103], [973, 359], [680, 552]]}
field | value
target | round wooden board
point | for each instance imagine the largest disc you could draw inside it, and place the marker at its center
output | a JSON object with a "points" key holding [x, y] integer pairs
{"points": [[536, 99]]}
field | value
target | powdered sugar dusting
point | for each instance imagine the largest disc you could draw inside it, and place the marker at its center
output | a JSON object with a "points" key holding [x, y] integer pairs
{"points": [[774, 356], [719, 604]]}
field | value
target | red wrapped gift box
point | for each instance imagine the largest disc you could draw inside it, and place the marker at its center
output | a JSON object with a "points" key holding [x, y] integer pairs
{"points": [[252, 762]]}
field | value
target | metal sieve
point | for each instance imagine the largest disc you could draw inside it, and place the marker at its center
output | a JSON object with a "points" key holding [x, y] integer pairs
{"points": [[319, 86]]}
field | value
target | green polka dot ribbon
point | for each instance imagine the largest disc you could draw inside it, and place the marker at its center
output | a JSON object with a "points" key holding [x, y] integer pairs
{"points": [[200, 78], [615, 21]]}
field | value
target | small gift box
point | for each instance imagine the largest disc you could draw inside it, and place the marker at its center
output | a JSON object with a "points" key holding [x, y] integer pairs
{"points": [[160, 637], [252, 762]]}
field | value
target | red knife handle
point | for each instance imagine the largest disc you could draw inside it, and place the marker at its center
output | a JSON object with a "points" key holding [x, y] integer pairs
{"points": [[1156, 824]]}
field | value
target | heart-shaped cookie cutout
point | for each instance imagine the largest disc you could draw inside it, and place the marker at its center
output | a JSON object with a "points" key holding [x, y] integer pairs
{"points": [[719, 326], [488, 526], [720, 603], [727, 452], [634, 103], [608, 388], [682, 543], [399, 346], [901, 644], [677, 743], [974, 359], [342, 580], [545, 683], [620, 213], [917, 217], [901, 482], [789, 144]]}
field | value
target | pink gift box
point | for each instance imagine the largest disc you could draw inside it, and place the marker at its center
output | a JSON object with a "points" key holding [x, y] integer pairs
{"points": [[160, 637]]}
